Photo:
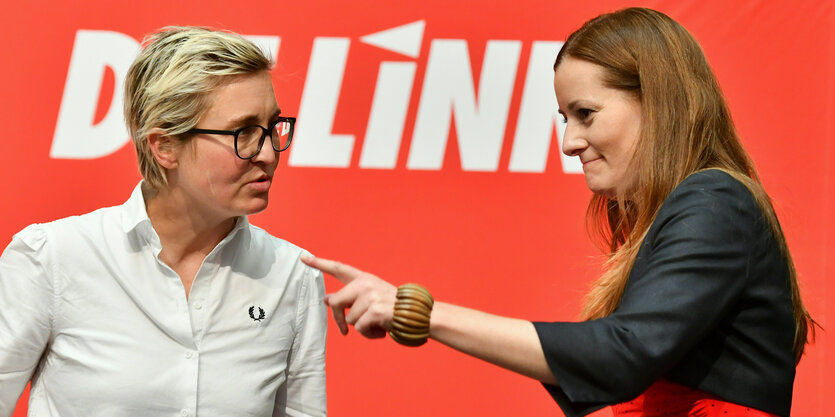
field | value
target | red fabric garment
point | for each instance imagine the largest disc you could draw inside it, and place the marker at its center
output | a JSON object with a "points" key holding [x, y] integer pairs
{"points": [[668, 399]]}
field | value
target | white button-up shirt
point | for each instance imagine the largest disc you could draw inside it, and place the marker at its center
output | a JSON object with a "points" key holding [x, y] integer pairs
{"points": [[102, 327]]}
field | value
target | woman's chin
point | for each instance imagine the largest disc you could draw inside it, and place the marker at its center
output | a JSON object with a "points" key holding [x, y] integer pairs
{"points": [[599, 189], [254, 206]]}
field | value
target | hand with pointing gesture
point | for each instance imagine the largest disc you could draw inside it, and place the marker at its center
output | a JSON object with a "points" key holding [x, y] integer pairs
{"points": [[369, 299], [510, 343]]}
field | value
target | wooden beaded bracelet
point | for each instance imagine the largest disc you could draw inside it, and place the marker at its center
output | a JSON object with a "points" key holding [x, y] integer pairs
{"points": [[410, 323]]}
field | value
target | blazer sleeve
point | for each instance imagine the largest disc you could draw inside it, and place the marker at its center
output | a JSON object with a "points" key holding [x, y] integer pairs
{"points": [[691, 269], [26, 298]]}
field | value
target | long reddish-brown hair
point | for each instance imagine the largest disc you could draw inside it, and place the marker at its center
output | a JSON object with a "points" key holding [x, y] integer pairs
{"points": [[685, 128]]}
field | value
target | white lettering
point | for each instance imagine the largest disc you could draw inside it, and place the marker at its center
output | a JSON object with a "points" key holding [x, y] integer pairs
{"points": [[480, 113], [538, 116], [448, 87], [314, 144], [388, 115], [75, 135]]}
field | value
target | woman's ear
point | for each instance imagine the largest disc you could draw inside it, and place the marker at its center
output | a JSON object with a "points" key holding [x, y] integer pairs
{"points": [[164, 148]]}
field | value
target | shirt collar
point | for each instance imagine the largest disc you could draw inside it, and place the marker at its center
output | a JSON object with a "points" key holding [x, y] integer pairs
{"points": [[134, 213]]}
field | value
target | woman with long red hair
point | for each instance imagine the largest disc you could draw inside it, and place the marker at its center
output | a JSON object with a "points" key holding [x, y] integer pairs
{"points": [[698, 311]]}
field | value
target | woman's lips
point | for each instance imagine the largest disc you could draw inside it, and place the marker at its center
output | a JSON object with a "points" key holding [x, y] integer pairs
{"points": [[590, 161], [261, 184]]}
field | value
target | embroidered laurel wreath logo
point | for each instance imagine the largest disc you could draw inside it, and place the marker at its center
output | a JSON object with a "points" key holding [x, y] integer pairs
{"points": [[260, 313]]}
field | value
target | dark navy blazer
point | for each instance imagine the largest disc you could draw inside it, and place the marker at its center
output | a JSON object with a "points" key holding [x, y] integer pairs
{"points": [[707, 305]]}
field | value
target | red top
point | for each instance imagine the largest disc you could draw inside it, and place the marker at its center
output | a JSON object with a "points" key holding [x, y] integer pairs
{"points": [[668, 399]]}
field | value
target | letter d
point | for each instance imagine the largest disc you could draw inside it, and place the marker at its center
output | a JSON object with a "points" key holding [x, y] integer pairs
{"points": [[75, 135]]}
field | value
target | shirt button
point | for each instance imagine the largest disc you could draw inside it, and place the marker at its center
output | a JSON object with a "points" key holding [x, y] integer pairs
{"points": [[188, 356], [198, 306], [184, 412]]}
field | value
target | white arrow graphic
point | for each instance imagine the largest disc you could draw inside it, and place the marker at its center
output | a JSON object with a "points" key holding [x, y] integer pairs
{"points": [[405, 39]]}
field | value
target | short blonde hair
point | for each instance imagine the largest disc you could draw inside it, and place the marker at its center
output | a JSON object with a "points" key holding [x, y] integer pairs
{"points": [[168, 84]]}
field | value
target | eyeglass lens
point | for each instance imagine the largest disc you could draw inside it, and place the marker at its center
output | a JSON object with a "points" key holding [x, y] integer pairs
{"points": [[250, 137]]}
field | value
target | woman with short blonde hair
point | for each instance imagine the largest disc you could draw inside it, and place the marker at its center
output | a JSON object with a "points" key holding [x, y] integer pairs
{"points": [[173, 303], [169, 84]]}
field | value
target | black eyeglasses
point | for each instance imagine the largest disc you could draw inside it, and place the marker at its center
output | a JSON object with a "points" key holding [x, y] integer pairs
{"points": [[250, 139]]}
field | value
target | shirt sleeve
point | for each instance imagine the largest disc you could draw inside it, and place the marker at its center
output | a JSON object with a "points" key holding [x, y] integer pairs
{"points": [[306, 390], [26, 295], [691, 270]]}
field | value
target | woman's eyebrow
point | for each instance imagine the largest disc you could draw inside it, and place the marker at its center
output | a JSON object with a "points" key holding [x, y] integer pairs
{"points": [[249, 119], [574, 104]]}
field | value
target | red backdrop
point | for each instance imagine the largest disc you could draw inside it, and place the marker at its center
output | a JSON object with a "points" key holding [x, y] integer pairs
{"points": [[478, 218]]}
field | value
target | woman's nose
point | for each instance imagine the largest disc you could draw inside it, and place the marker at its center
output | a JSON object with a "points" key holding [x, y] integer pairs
{"points": [[266, 154], [572, 143]]}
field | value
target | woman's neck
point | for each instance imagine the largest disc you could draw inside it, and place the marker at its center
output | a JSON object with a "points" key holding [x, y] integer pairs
{"points": [[184, 228]]}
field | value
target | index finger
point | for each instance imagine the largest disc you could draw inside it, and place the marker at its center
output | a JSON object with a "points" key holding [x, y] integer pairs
{"points": [[344, 273]]}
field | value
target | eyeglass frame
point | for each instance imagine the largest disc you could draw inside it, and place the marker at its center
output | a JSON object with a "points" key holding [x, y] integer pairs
{"points": [[264, 133]]}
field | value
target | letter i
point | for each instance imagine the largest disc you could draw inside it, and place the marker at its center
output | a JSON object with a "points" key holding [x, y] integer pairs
{"points": [[391, 95]]}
